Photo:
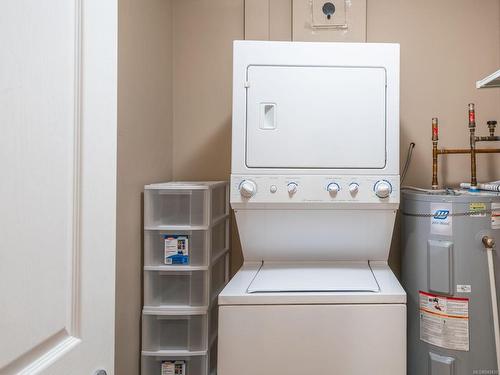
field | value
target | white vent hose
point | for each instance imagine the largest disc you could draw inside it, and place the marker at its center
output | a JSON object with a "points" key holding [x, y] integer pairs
{"points": [[489, 244], [491, 186]]}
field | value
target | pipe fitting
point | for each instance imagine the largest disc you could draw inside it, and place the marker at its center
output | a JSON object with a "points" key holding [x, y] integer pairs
{"points": [[435, 129], [488, 242], [491, 127], [472, 116]]}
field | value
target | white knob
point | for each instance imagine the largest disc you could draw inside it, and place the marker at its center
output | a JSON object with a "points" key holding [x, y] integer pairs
{"points": [[333, 188], [353, 188], [382, 189], [292, 188], [248, 188]]}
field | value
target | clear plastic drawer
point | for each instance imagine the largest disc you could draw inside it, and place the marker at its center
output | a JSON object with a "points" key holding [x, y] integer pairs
{"points": [[180, 289], [219, 202], [174, 332], [195, 365], [154, 246], [220, 238], [219, 276], [175, 207]]}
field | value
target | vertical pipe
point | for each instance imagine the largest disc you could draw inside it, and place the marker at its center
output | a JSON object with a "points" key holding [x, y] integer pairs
{"points": [[472, 129], [494, 305], [435, 137], [489, 244]]}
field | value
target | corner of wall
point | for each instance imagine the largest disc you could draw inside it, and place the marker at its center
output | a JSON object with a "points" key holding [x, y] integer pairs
{"points": [[145, 141]]}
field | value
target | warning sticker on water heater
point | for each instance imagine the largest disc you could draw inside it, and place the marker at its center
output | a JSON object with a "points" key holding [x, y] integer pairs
{"points": [[495, 216], [441, 219], [477, 209], [444, 321]]}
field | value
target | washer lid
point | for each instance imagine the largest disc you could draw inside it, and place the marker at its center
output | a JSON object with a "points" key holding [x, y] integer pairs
{"points": [[314, 277]]}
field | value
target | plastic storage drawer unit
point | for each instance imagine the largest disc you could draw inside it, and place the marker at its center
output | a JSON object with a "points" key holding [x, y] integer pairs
{"points": [[185, 204], [219, 275], [175, 207], [219, 239], [175, 289], [195, 365], [186, 265], [174, 332]]}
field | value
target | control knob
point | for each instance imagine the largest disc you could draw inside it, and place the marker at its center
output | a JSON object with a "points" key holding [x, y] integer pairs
{"points": [[382, 189], [292, 188], [353, 188], [333, 188], [248, 188]]}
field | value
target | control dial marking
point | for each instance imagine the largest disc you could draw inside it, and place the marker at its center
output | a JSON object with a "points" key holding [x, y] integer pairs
{"points": [[248, 188], [292, 188], [333, 188], [382, 189]]}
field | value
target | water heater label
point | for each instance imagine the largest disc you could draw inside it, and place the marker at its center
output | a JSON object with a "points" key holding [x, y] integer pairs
{"points": [[477, 209], [441, 219], [444, 321], [464, 288]]}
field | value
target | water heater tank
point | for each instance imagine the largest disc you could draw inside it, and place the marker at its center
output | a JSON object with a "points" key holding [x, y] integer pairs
{"points": [[445, 273]]}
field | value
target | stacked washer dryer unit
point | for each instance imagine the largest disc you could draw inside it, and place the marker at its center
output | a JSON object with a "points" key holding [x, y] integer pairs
{"points": [[315, 189]]}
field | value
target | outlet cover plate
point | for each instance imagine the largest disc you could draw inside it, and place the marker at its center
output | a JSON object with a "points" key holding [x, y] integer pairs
{"points": [[336, 20], [347, 24]]}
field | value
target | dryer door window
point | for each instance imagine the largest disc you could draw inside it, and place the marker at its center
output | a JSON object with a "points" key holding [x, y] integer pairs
{"points": [[316, 117]]}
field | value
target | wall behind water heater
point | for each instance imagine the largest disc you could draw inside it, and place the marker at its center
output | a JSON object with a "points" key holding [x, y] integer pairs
{"points": [[175, 72], [445, 47]]}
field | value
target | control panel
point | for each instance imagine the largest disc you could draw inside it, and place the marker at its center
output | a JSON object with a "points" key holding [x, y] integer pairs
{"points": [[314, 188]]}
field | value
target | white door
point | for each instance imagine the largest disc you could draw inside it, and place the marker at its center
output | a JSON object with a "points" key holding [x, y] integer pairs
{"points": [[57, 186]]}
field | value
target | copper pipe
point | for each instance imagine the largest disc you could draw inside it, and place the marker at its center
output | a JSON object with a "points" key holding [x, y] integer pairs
{"points": [[435, 138], [453, 151], [491, 138], [472, 129], [488, 151], [473, 179], [448, 151], [491, 126], [472, 115], [472, 151]]}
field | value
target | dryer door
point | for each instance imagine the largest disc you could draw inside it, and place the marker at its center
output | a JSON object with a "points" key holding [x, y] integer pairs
{"points": [[325, 117]]}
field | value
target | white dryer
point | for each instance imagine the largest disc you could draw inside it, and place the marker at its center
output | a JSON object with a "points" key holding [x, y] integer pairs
{"points": [[315, 189]]}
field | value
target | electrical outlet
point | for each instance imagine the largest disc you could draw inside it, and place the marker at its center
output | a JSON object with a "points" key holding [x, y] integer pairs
{"points": [[329, 14], [329, 20]]}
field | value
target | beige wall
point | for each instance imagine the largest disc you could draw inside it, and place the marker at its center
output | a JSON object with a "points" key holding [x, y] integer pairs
{"points": [[445, 47], [144, 152], [204, 31], [203, 34]]}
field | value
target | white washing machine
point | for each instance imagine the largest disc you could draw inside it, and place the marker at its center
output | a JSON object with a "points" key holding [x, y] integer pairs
{"points": [[315, 189]]}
